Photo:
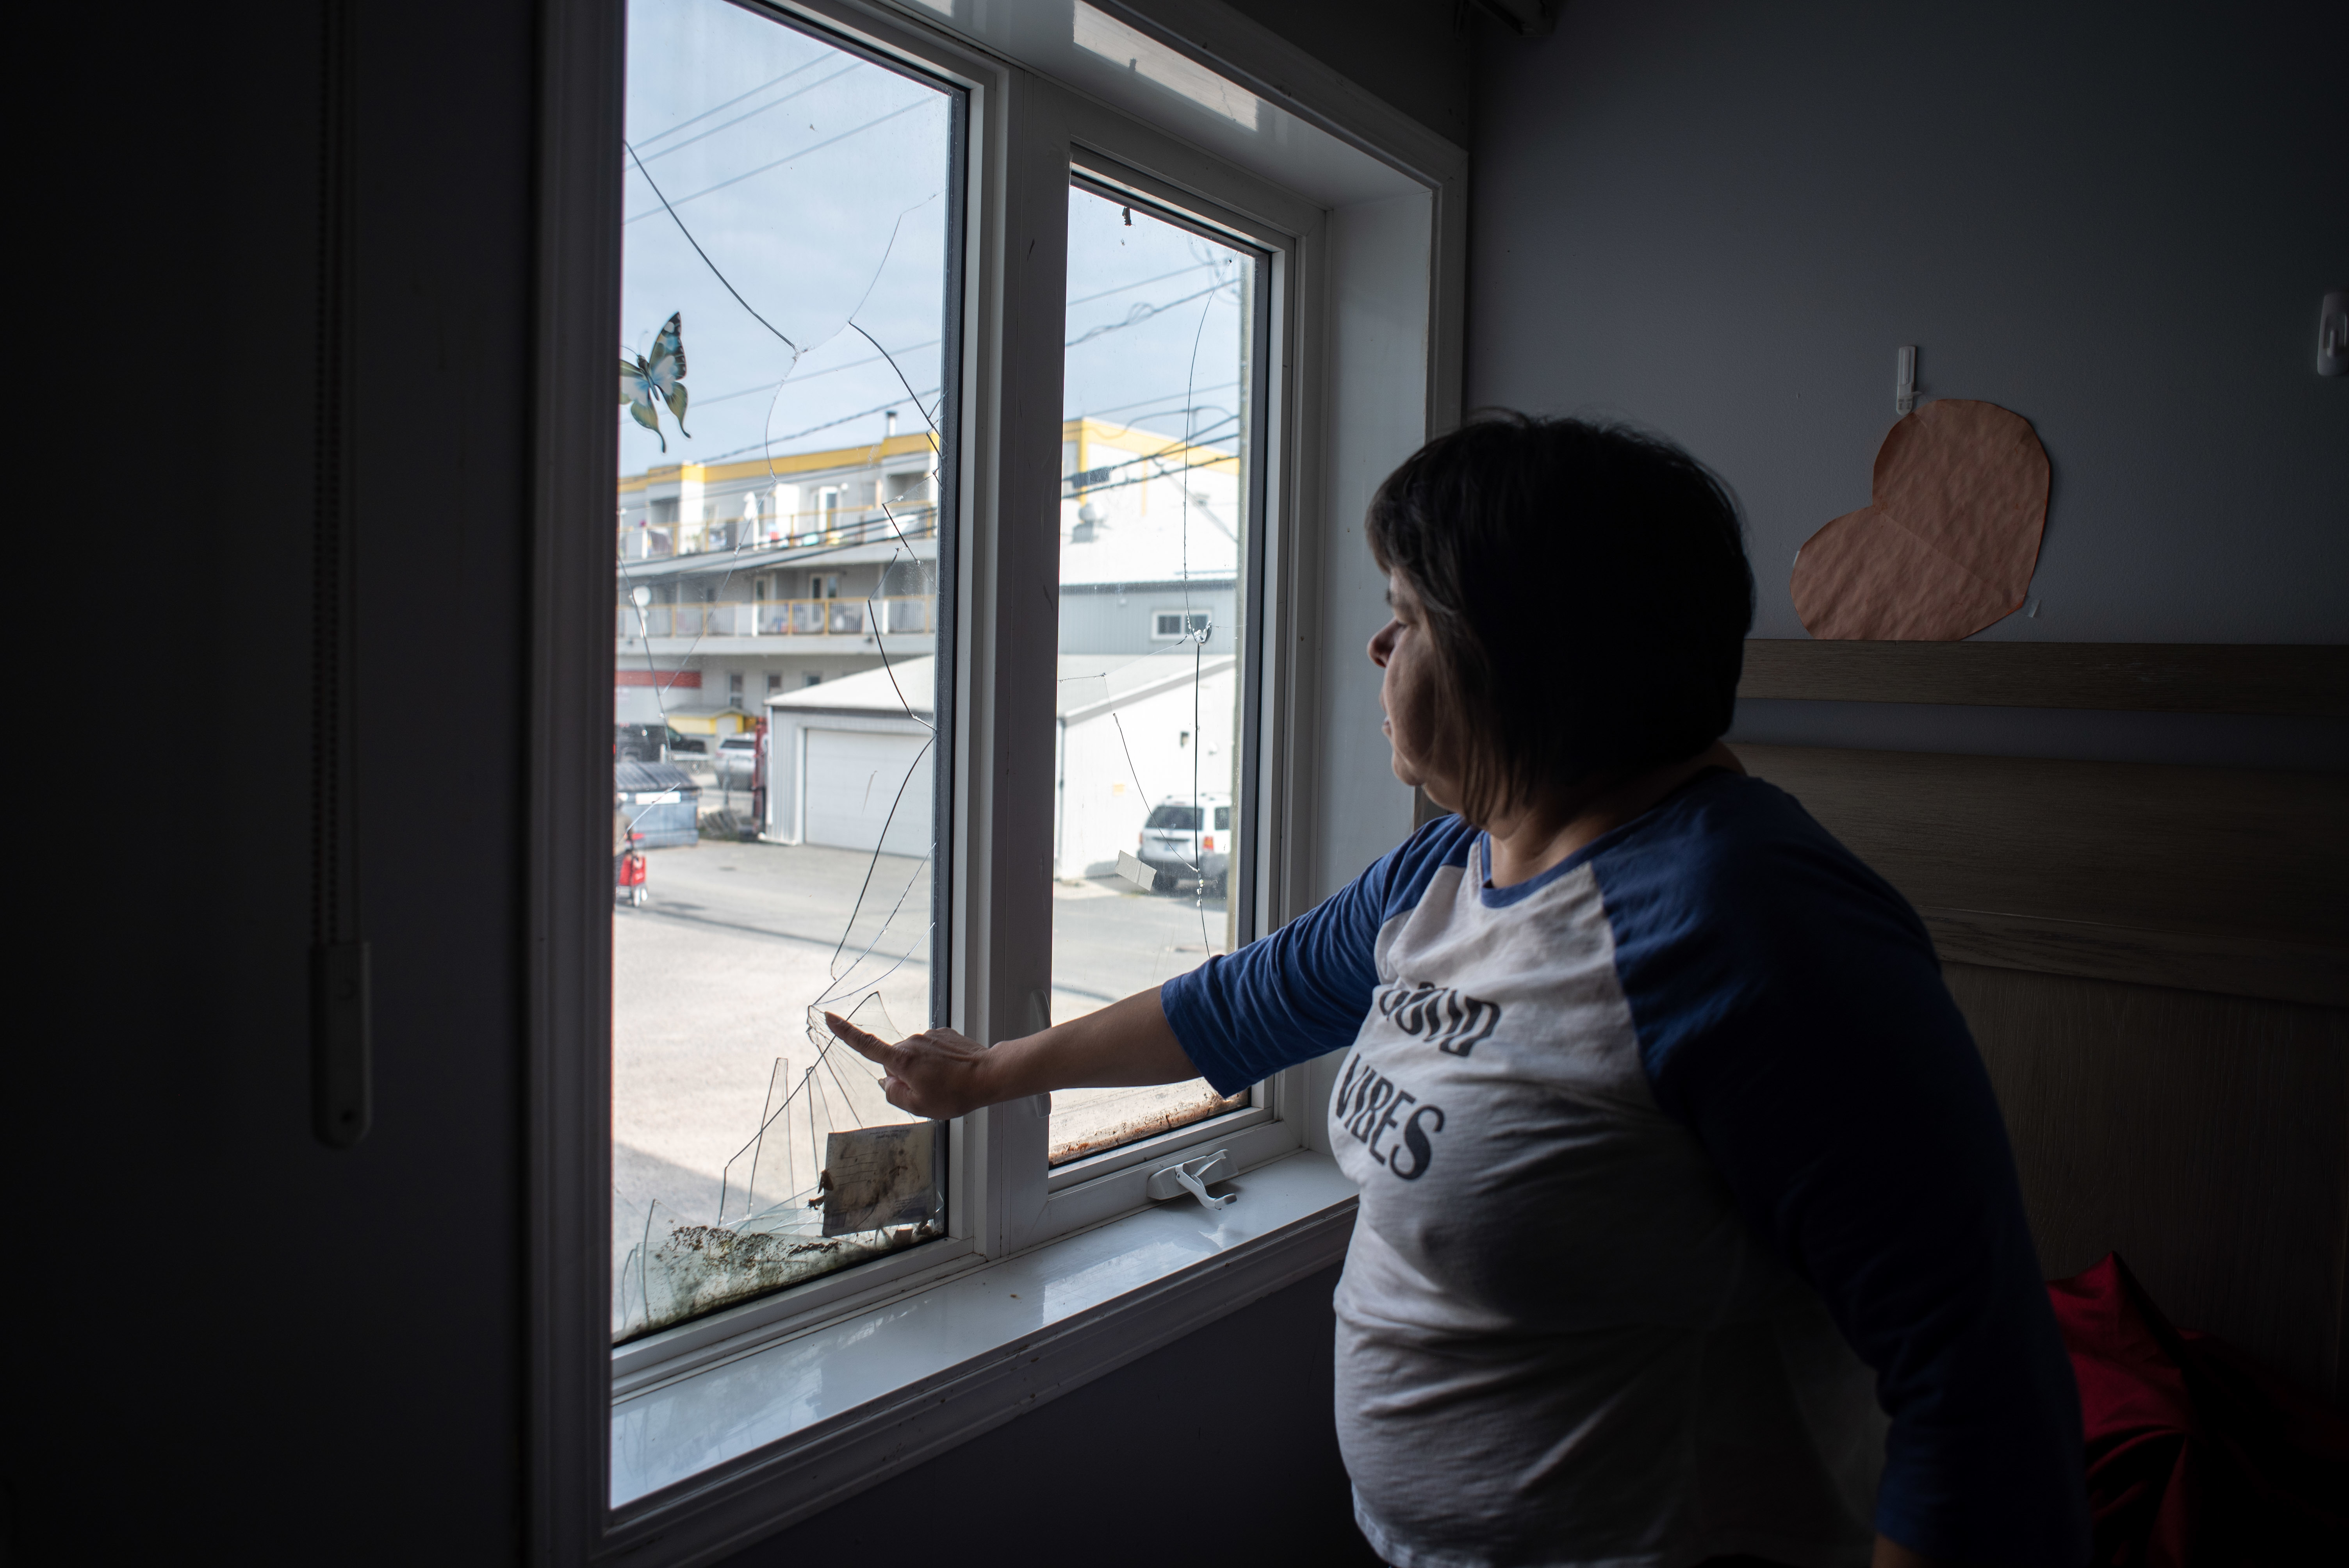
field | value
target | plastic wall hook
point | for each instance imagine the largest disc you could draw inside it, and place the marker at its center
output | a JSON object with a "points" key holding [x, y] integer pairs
{"points": [[2333, 335], [1192, 1176], [1904, 380]]}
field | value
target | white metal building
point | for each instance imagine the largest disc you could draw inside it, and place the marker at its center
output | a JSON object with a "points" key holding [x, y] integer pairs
{"points": [[850, 762]]}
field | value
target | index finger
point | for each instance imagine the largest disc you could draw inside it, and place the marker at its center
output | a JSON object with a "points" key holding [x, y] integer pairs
{"points": [[872, 1047]]}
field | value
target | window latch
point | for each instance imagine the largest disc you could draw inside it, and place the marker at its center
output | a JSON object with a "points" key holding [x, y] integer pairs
{"points": [[1192, 1176]]}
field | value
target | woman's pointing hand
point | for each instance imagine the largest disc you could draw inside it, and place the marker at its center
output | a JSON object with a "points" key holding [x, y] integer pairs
{"points": [[937, 1073]]}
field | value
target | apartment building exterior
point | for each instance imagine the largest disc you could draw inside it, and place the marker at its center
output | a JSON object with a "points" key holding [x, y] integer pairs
{"points": [[739, 582]]}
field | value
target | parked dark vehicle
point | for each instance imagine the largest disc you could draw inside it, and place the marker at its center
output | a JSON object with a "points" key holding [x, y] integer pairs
{"points": [[653, 743], [662, 801]]}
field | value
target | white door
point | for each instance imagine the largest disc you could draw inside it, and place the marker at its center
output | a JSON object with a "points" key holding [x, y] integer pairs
{"points": [[859, 783]]}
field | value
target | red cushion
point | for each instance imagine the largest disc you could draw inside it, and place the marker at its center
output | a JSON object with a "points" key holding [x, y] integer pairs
{"points": [[2196, 1455]]}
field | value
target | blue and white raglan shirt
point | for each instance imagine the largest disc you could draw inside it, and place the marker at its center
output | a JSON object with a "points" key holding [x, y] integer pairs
{"points": [[1689, 1224]]}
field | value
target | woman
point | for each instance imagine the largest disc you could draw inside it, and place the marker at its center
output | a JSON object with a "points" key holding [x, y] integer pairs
{"points": [[1689, 1226]]}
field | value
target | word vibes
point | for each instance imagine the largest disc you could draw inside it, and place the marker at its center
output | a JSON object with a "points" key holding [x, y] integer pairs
{"points": [[1373, 1107]]}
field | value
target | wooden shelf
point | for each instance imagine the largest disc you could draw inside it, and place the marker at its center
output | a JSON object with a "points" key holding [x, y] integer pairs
{"points": [[2202, 879], [2271, 967], [2176, 677]]}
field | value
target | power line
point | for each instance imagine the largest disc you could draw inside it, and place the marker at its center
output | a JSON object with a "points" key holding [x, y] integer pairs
{"points": [[795, 380], [729, 103], [1121, 408], [1135, 421], [768, 444], [884, 408], [1141, 313], [801, 377], [762, 108], [778, 163], [1165, 471], [1138, 283], [812, 430], [900, 402], [1194, 440]]}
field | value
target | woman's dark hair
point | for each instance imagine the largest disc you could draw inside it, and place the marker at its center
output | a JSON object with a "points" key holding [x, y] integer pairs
{"points": [[1587, 599]]}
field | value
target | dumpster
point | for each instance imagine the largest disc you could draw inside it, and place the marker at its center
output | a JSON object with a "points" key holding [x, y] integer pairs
{"points": [[662, 802]]}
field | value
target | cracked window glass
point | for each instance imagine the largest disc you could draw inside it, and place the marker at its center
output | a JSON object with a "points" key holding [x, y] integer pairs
{"points": [[790, 220], [1154, 520]]}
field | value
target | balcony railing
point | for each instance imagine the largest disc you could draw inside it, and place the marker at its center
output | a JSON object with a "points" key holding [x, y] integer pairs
{"points": [[911, 615], [859, 525]]}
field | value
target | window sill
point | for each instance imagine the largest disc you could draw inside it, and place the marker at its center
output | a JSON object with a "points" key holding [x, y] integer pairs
{"points": [[703, 1464]]}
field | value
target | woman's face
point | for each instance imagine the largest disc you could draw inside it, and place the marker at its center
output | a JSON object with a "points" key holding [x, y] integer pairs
{"points": [[1408, 693]]}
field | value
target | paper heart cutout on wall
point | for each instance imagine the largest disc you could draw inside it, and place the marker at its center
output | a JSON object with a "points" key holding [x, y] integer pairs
{"points": [[1949, 540]]}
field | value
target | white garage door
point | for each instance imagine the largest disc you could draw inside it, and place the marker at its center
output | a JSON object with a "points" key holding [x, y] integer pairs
{"points": [[854, 780]]}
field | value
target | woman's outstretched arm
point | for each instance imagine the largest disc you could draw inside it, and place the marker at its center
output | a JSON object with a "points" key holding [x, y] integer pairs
{"points": [[942, 1074]]}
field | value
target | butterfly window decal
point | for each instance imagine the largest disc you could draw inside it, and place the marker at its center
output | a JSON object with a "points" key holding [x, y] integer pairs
{"points": [[661, 376]]}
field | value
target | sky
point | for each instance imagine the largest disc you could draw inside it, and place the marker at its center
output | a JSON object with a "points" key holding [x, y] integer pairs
{"points": [[816, 184], [723, 106], [1180, 294]]}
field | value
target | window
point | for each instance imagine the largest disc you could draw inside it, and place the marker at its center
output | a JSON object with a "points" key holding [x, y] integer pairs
{"points": [[789, 241], [915, 852], [1161, 354]]}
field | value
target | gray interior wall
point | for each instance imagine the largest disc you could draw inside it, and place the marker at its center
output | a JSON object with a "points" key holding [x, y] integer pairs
{"points": [[289, 1354], [1720, 220], [1135, 1469], [1378, 378]]}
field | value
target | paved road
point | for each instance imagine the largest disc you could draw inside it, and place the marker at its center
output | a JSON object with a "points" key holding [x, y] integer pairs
{"points": [[714, 979]]}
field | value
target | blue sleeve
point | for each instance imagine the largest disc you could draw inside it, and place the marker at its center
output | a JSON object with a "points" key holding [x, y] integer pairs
{"points": [[1790, 1011], [1304, 990]]}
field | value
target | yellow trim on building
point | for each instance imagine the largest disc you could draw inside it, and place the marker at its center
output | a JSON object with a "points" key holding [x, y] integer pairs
{"points": [[1088, 433], [863, 455]]}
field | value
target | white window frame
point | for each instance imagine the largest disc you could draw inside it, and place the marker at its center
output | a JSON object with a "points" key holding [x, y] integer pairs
{"points": [[1025, 135], [1110, 152], [1177, 612]]}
